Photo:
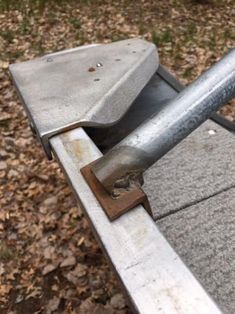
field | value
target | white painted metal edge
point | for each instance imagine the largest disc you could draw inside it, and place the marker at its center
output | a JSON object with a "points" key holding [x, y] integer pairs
{"points": [[152, 274]]}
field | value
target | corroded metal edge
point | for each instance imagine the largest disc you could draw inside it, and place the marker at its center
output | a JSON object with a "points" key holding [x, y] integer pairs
{"points": [[115, 207]]}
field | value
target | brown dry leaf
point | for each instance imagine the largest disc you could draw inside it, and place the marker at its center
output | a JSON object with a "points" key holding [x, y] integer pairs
{"points": [[88, 307], [3, 165], [118, 301], [48, 269], [69, 261], [4, 117], [4, 64], [36, 292], [5, 289], [52, 305], [39, 219]]}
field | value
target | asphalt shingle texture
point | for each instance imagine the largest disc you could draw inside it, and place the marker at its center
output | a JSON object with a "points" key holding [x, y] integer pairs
{"points": [[197, 168], [192, 193], [204, 236]]}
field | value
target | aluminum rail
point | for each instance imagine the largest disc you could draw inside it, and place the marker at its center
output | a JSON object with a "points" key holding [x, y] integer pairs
{"points": [[127, 161], [152, 274]]}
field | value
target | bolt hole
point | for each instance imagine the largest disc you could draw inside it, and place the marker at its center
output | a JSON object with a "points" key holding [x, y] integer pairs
{"points": [[96, 80], [117, 59], [49, 59], [133, 51], [128, 44]]}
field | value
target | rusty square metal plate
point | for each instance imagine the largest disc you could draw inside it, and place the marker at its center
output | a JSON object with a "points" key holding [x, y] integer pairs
{"points": [[114, 207]]}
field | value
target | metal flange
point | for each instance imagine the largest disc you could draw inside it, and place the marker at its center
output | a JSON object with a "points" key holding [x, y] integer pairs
{"points": [[87, 86]]}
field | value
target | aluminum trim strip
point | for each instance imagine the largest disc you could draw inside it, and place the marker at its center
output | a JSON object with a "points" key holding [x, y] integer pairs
{"points": [[152, 274]]}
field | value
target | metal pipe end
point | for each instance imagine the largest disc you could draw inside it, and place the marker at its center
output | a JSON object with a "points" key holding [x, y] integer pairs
{"points": [[120, 169]]}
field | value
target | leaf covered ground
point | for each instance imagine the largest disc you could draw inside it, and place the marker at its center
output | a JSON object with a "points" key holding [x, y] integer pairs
{"points": [[49, 260]]}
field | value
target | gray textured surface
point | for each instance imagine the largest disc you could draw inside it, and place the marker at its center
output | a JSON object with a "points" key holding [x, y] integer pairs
{"points": [[204, 236], [193, 189], [200, 166]]}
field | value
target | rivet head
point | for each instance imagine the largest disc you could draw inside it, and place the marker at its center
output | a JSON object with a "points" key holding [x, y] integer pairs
{"points": [[99, 64]]}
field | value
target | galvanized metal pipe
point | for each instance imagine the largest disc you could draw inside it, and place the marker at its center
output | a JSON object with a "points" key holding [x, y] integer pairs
{"points": [[125, 163]]}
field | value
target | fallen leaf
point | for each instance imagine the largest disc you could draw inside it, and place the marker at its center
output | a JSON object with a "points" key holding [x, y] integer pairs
{"points": [[118, 301], [3, 165], [52, 305], [48, 269], [69, 261], [4, 64]]}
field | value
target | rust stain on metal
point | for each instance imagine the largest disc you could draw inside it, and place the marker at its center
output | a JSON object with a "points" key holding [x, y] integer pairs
{"points": [[91, 69], [115, 207], [79, 146]]}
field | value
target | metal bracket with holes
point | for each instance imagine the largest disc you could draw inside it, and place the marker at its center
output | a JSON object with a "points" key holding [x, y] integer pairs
{"points": [[88, 86]]}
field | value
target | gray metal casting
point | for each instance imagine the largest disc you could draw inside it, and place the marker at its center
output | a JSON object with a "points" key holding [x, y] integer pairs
{"points": [[85, 86], [127, 161]]}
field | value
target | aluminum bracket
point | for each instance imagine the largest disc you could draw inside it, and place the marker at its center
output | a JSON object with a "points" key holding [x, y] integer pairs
{"points": [[86, 86]]}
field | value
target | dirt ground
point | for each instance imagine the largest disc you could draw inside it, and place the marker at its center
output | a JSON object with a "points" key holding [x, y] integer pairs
{"points": [[49, 260]]}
